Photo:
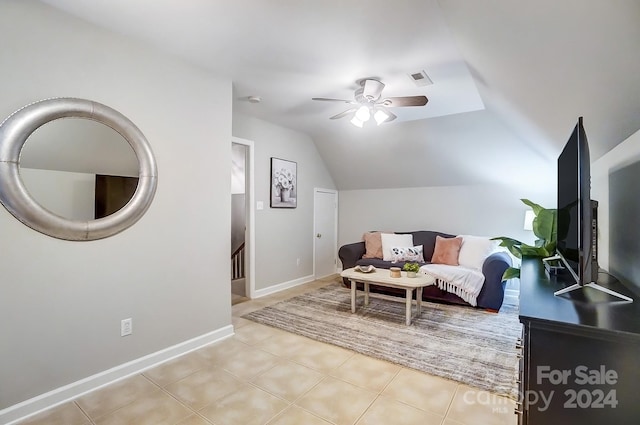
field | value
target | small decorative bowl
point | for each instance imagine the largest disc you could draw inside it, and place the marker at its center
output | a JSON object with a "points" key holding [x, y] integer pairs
{"points": [[365, 269]]}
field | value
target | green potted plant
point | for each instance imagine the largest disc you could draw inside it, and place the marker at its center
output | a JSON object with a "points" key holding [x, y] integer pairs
{"points": [[544, 227], [411, 269]]}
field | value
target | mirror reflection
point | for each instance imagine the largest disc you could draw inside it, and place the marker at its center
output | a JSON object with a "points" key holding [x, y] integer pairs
{"points": [[79, 169]]}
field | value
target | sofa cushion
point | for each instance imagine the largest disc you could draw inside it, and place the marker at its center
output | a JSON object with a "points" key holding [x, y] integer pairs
{"points": [[474, 250], [390, 240], [407, 254], [373, 245], [447, 250]]}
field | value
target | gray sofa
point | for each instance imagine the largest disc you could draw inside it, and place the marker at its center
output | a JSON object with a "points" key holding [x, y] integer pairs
{"points": [[490, 298]]}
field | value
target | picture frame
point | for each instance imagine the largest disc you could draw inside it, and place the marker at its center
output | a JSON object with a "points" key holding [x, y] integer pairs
{"points": [[284, 183]]}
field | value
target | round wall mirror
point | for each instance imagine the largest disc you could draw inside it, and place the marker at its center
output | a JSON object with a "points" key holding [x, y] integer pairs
{"points": [[84, 178], [79, 169]]}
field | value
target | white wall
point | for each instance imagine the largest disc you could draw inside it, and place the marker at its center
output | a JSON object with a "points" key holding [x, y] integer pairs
{"points": [[624, 154], [70, 195], [79, 145], [238, 168], [283, 235], [61, 302], [487, 210]]}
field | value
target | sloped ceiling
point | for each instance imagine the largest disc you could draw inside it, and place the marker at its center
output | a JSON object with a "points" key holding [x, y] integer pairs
{"points": [[509, 77]]}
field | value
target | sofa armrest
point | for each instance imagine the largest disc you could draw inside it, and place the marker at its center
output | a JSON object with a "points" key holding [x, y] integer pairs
{"points": [[348, 255], [351, 253], [492, 294]]}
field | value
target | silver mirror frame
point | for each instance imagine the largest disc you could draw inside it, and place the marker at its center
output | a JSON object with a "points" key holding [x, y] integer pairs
{"points": [[14, 132]]}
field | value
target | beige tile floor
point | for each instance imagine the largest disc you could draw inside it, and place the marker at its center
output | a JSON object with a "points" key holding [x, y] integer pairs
{"points": [[265, 376]]}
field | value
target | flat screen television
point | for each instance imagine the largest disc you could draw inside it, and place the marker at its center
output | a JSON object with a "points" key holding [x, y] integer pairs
{"points": [[576, 219]]}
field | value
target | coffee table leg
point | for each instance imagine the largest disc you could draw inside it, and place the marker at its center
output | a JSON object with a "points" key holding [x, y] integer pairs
{"points": [[353, 296], [366, 293], [409, 293], [419, 301]]}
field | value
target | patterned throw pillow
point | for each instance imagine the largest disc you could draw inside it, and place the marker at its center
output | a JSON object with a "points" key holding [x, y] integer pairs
{"points": [[407, 254], [390, 240]]}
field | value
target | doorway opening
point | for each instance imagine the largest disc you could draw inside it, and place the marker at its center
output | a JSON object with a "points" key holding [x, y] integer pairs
{"points": [[242, 220]]}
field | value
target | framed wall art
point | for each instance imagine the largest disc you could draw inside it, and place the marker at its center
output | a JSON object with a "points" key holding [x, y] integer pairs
{"points": [[284, 183]]}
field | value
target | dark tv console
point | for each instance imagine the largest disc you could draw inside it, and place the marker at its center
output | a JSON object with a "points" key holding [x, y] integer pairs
{"points": [[580, 359]]}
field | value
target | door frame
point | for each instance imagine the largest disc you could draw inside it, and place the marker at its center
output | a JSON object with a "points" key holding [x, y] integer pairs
{"points": [[335, 230], [250, 238]]}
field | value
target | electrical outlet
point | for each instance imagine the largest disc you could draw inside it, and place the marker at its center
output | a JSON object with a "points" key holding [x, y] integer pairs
{"points": [[126, 327]]}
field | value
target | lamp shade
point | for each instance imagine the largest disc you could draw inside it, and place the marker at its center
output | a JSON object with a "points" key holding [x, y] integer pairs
{"points": [[528, 219]]}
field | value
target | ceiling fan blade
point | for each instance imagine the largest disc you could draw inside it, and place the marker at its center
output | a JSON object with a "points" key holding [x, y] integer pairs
{"points": [[371, 89], [392, 116], [325, 99], [391, 102], [343, 114]]}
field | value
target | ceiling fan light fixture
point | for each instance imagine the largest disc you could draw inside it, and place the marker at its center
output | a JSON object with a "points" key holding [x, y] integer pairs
{"points": [[369, 103], [371, 89], [363, 114], [380, 116], [355, 121]]}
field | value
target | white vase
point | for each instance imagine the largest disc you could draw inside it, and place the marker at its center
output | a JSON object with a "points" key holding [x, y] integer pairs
{"points": [[411, 274], [284, 195]]}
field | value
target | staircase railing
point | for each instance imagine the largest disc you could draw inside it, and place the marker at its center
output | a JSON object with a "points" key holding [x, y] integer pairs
{"points": [[237, 263]]}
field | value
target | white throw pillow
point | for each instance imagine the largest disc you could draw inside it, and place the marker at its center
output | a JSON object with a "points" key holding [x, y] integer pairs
{"points": [[474, 250], [391, 240]]}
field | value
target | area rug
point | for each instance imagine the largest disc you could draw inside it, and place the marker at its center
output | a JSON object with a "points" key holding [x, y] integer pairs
{"points": [[463, 344]]}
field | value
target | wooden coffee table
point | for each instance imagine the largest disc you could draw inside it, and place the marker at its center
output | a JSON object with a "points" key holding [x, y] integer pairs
{"points": [[382, 277]]}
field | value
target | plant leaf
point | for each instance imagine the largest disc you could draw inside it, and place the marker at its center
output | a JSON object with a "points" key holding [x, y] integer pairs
{"points": [[544, 225], [511, 273], [506, 241], [533, 251], [535, 207], [550, 248], [513, 245]]}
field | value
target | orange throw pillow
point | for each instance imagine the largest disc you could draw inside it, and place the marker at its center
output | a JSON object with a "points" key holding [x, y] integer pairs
{"points": [[446, 250], [373, 245]]}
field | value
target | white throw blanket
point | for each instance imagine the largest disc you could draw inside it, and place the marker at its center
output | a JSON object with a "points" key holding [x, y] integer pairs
{"points": [[464, 282]]}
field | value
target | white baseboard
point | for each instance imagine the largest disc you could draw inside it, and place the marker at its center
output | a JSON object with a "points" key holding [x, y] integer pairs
{"points": [[17, 412], [512, 296], [258, 293]]}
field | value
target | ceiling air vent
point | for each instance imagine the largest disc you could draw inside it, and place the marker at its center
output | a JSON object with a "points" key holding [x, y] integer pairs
{"points": [[420, 78]]}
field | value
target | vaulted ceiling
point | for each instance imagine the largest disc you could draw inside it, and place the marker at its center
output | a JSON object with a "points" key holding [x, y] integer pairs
{"points": [[509, 77]]}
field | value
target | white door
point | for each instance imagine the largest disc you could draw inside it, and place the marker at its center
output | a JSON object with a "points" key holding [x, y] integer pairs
{"points": [[325, 212]]}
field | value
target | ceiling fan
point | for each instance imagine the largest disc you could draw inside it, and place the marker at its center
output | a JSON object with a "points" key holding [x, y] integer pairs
{"points": [[369, 101]]}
